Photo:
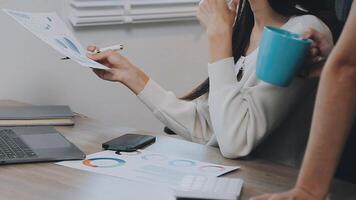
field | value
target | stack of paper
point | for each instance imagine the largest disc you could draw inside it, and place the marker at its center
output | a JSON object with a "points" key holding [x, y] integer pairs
{"points": [[36, 116], [103, 12]]}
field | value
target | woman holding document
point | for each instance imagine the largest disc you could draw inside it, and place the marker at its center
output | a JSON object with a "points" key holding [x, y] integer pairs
{"points": [[232, 109]]}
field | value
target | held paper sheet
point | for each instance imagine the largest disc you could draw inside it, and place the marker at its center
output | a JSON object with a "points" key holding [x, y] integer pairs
{"points": [[146, 166], [50, 28]]}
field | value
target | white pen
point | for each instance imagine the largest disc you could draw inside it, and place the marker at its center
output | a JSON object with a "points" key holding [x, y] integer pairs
{"points": [[117, 47]]}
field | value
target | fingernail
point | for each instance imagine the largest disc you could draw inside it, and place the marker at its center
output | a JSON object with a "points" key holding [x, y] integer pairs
{"points": [[320, 59]]}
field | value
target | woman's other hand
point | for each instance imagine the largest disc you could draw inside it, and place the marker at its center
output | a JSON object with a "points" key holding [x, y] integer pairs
{"points": [[217, 16], [120, 70], [319, 52]]}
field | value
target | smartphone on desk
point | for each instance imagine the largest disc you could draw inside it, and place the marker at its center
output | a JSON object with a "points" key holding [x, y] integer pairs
{"points": [[129, 142]]}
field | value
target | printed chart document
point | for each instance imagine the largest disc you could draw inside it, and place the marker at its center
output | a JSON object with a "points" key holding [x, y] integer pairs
{"points": [[50, 28], [146, 166]]}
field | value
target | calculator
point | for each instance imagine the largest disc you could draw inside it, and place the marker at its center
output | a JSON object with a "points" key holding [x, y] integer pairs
{"points": [[202, 187]]}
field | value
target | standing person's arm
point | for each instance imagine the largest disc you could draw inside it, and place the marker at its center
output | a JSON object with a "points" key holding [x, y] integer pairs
{"points": [[334, 114]]}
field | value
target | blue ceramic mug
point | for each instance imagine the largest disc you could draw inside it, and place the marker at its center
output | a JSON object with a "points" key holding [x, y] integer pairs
{"points": [[281, 56]]}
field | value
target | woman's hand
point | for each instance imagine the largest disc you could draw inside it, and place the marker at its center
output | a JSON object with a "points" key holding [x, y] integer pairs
{"points": [[120, 70], [319, 52], [218, 18], [295, 194]]}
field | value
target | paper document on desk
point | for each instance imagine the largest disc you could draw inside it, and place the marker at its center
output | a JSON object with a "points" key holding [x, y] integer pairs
{"points": [[50, 28], [146, 166]]}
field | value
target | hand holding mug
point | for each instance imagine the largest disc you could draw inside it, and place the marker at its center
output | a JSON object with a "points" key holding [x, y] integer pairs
{"points": [[318, 53]]}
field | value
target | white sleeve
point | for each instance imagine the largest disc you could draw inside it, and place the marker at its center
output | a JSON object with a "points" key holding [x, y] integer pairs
{"points": [[182, 117], [242, 117], [310, 21]]}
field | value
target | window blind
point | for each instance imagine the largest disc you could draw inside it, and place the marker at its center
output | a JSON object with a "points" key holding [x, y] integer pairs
{"points": [[106, 12]]}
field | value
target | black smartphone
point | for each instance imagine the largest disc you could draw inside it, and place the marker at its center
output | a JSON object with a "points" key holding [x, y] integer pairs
{"points": [[129, 142]]}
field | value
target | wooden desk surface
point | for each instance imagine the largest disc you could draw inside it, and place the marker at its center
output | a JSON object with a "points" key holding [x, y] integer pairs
{"points": [[49, 181]]}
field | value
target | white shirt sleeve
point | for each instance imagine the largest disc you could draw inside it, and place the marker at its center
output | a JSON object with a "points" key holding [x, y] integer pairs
{"points": [[183, 117], [243, 116]]}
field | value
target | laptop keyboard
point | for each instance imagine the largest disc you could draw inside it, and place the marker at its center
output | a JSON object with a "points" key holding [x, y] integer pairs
{"points": [[12, 147]]}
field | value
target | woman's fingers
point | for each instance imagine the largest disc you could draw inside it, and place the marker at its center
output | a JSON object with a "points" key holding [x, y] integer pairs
{"points": [[99, 72], [108, 58], [314, 52], [318, 61], [203, 6], [321, 41], [91, 48], [202, 11], [103, 55], [233, 5], [104, 74], [314, 35], [98, 56], [314, 48], [312, 55]]}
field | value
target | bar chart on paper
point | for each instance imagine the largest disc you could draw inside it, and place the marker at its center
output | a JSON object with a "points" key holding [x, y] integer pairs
{"points": [[51, 29]]}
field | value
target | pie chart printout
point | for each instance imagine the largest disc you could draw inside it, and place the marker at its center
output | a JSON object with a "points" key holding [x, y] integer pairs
{"points": [[182, 163], [212, 168], [103, 162], [147, 166]]}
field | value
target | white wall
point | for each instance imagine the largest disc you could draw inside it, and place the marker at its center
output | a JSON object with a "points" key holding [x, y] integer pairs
{"points": [[174, 54]]}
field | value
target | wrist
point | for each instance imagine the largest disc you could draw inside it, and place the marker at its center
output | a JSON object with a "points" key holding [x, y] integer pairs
{"points": [[221, 32], [135, 80], [312, 193], [220, 46]]}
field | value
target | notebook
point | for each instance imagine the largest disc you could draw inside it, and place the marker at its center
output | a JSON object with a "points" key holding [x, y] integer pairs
{"points": [[36, 116]]}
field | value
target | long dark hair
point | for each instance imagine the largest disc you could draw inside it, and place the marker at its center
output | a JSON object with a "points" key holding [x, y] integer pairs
{"points": [[245, 22]]}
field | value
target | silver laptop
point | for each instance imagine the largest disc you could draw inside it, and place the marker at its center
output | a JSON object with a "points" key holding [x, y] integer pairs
{"points": [[35, 144]]}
